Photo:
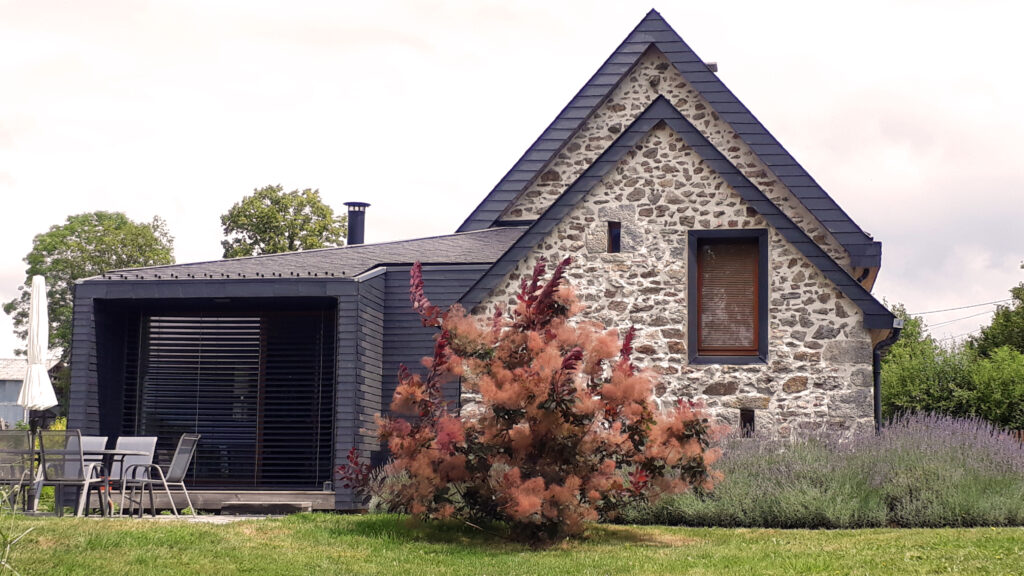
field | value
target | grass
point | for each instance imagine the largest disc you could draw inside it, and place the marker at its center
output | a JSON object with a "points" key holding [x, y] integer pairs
{"points": [[380, 544]]}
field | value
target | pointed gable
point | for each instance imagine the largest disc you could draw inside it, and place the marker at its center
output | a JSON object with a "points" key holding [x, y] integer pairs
{"points": [[876, 316], [653, 33]]}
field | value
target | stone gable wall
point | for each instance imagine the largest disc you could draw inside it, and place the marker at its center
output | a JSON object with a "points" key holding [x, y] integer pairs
{"points": [[819, 366], [654, 75]]}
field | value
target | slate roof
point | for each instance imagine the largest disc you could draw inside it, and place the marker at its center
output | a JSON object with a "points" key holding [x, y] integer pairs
{"points": [[14, 368], [662, 111], [654, 31], [479, 247]]}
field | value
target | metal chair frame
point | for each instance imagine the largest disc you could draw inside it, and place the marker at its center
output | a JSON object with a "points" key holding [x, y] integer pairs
{"points": [[16, 465], [139, 443], [142, 477], [70, 469]]}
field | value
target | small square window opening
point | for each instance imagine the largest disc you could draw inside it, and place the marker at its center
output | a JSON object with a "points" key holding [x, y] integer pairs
{"points": [[746, 422], [615, 237]]}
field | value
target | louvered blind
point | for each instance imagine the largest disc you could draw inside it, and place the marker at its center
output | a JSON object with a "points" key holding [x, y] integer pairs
{"points": [[727, 292], [202, 375], [259, 389], [297, 415]]}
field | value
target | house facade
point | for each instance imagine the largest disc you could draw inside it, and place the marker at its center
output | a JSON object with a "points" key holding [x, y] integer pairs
{"points": [[748, 285], [12, 375]]}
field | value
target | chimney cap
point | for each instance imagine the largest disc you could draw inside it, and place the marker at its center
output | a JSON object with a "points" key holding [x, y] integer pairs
{"points": [[357, 206]]}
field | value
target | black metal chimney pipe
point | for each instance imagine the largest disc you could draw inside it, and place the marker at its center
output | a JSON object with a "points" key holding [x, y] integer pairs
{"points": [[356, 222]]}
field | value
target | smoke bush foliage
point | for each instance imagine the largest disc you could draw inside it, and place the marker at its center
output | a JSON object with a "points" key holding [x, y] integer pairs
{"points": [[563, 433], [922, 471]]}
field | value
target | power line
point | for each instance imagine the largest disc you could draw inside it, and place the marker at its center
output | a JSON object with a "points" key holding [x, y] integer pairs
{"points": [[959, 335], [960, 307], [985, 313]]}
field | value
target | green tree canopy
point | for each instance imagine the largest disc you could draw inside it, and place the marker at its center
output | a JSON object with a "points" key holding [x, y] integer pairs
{"points": [[271, 221], [921, 375], [917, 373], [85, 245], [1007, 327]]}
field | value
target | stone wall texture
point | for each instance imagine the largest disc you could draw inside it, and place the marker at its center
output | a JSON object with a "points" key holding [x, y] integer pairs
{"points": [[654, 75], [818, 374]]}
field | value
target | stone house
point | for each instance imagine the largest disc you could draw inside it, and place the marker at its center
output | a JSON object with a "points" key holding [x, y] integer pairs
{"points": [[749, 287]]}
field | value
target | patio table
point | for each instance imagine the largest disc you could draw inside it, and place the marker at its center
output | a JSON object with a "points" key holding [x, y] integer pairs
{"points": [[108, 457]]}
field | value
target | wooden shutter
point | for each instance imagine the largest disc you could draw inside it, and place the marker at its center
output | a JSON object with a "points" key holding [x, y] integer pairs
{"points": [[727, 295]]}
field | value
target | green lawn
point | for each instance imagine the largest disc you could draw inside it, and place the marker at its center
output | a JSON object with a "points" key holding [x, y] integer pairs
{"points": [[331, 544]]}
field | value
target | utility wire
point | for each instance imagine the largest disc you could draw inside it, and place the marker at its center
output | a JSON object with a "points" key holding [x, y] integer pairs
{"points": [[959, 319], [960, 307], [959, 335]]}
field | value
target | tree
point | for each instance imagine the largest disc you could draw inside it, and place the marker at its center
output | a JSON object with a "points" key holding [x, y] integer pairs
{"points": [[920, 375], [1007, 327], [565, 431], [85, 245], [997, 390], [271, 221]]}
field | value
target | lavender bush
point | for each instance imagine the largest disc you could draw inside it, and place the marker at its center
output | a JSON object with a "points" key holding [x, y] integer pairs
{"points": [[922, 471]]}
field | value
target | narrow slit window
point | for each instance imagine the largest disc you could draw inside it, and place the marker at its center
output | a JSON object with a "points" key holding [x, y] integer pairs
{"points": [[747, 422], [615, 237]]}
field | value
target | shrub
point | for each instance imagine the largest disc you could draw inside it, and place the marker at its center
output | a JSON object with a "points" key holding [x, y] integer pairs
{"points": [[563, 432], [997, 390], [981, 378], [922, 471], [383, 485], [940, 471]]}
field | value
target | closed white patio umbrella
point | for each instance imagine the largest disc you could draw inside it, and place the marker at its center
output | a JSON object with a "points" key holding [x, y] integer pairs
{"points": [[37, 390]]}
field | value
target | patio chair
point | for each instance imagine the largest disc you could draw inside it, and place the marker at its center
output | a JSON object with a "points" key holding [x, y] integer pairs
{"points": [[142, 477], [63, 464], [145, 444], [15, 464], [137, 463], [91, 444]]}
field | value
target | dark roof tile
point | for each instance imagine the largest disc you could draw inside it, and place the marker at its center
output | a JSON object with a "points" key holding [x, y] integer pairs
{"points": [[661, 110], [480, 247], [654, 31]]}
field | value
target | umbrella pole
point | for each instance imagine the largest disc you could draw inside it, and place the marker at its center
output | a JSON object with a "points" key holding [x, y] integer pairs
{"points": [[33, 488]]}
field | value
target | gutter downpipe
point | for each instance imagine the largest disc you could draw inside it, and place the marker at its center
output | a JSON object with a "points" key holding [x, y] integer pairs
{"points": [[880, 349]]}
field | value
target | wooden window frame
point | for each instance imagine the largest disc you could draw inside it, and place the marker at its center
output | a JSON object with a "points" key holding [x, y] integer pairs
{"points": [[754, 356]]}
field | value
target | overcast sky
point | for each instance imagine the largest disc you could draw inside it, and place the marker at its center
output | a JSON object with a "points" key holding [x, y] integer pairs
{"points": [[906, 112]]}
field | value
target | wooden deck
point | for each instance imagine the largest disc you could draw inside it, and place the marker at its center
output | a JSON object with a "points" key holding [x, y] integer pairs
{"points": [[215, 500]]}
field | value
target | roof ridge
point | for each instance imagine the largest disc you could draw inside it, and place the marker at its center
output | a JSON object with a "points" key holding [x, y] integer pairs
{"points": [[654, 30]]}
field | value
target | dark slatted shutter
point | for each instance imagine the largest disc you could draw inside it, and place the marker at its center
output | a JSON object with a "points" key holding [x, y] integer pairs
{"points": [[202, 375], [297, 402], [258, 388], [727, 297], [132, 348]]}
